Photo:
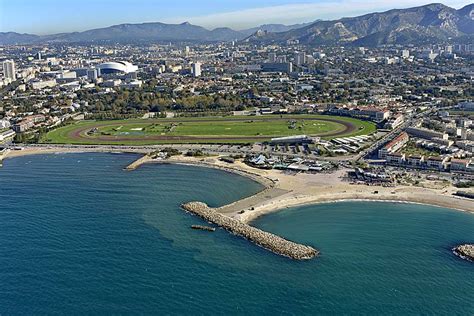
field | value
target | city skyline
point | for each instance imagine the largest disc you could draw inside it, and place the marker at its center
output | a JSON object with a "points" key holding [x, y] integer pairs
{"points": [[28, 17]]}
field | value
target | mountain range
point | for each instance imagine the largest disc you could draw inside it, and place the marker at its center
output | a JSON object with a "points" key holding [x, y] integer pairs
{"points": [[145, 32], [431, 23], [426, 24]]}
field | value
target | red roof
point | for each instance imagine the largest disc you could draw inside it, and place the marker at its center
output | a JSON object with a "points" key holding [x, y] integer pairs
{"points": [[397, 139]]}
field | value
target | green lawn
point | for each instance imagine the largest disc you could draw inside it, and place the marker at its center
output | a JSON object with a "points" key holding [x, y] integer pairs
{"points": [[141, 132], [411, 150]]}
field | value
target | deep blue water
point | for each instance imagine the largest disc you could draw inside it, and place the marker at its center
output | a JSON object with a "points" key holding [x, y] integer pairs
{"points": [[80, 235]]}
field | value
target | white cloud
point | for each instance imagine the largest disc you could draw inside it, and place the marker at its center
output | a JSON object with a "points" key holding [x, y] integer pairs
{"points": [[302, 12]]}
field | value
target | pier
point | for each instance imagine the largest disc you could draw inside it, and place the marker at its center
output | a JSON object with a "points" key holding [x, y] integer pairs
{"points": [[269, 241]]}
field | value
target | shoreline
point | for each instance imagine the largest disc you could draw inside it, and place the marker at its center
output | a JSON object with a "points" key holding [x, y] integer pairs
{"points": [[322, 202], [283, 190]]}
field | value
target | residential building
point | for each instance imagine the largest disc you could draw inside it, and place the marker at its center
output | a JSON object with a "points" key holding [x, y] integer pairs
{"points": [[459, 164], [6, 135], [277, 67], [415, 161], [395, 158], [196, 69], [394, 145], [4, 124], [9, 70], [438, 163]]}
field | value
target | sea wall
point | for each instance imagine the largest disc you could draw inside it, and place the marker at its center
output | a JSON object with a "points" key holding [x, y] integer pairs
{"points": [[264, 239]]}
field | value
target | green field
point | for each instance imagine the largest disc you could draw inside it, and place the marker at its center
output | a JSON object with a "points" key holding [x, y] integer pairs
{"points": [[206, 130]]}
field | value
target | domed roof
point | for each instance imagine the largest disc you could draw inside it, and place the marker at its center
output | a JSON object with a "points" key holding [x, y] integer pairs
{"points": [[118, 66]]}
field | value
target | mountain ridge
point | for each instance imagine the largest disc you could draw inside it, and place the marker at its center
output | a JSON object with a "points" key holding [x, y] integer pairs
{"points": [[424, 24], [429, 23]]}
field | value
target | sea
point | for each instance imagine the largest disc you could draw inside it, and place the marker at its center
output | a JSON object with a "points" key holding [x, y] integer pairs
{"points": [[80, 235]]}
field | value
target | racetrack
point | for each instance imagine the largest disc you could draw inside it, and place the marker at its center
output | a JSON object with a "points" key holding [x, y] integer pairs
{"points": [[331, 127]]}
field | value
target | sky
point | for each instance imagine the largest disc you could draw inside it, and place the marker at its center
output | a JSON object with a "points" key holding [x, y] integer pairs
{"points": [[57, 16]]}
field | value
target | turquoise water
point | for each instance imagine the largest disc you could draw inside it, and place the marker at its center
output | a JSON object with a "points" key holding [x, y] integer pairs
{"points": [[80, 235]]}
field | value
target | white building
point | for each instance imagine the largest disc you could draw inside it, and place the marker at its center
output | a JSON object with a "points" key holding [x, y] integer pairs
{"points": [[4, 124], [9, 69], [43, 84], [117, 67], [300, 58], [6, 135], [196, 69]]}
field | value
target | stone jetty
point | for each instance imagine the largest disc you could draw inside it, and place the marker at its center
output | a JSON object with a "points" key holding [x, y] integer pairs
{"points": [[264, 239], [137, 163], [465, 251]]}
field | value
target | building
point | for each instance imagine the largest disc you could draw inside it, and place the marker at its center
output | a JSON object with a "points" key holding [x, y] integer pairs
{"points": [[9, 71], [371, 113], [117, 67], [112, 83], [6, 135], [272, 57], [468, 105], [394, 145], [459, 164], [424, 133], [4, 124], [92, 74], [132, 84], [395, 121], [28, 122], [395, 158], [298, 139], [300, 58], [36, 85], [196, 69], [416, 161], [277, 67], [304, 87], [438, 163], [23, 126], [67, 75]]}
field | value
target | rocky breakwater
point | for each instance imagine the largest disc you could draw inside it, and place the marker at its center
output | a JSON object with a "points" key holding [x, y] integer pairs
{"points": [[465, 251], [264, 239]]}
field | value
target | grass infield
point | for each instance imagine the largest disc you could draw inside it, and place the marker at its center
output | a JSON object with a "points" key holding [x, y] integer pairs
{"points": [[206, 130]]}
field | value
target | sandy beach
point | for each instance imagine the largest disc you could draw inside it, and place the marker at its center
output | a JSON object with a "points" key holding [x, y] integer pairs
{"points": [[289, 189]]}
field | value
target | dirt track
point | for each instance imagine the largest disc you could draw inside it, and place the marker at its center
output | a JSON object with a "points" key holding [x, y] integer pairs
{"points": [[78, 134]]}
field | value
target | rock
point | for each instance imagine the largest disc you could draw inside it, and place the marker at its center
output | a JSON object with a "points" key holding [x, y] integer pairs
{"points": [[465, 251]]}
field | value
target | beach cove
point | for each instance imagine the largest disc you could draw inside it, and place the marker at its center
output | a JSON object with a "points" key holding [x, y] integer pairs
{"points": [[282, 189], [133, 232]]}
